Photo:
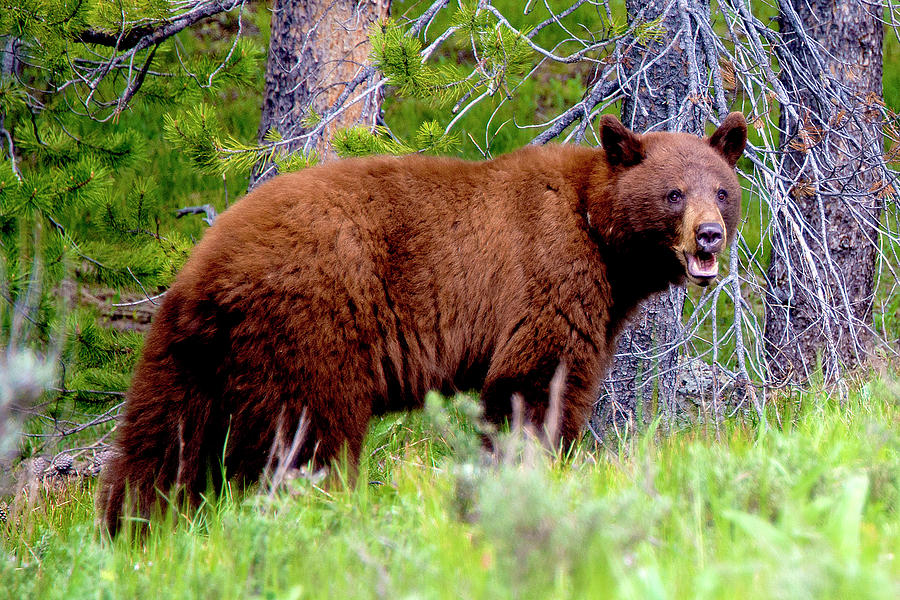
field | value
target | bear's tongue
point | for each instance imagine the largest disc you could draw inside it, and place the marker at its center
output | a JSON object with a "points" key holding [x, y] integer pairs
{"points": [[707, 266]]}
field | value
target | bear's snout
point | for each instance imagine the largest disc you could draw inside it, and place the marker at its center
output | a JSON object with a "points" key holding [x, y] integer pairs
{"points": [[710, 237], [702, 239]]}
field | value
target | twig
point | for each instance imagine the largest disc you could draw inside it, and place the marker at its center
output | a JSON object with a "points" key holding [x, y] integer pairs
{"points": [[208, 209]]}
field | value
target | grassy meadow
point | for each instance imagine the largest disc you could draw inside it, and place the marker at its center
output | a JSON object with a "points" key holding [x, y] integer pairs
{"points": [[804, 508], [803, 505]]}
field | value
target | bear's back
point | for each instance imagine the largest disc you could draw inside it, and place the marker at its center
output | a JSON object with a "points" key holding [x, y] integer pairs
{"points": [[420, 264]]}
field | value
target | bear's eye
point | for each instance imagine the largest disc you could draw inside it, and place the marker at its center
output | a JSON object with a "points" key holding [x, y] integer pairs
{"points": [[722, 195], [675, 196]]}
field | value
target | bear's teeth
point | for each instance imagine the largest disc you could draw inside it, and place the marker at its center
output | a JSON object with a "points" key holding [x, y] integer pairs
{"points": [[707, 267]]}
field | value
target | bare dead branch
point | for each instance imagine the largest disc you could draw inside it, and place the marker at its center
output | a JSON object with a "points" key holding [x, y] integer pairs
{"points": [[144, 36], [208, 209]]}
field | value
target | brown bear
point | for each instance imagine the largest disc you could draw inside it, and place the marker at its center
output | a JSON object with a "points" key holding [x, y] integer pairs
{"points": [[349, 289]]}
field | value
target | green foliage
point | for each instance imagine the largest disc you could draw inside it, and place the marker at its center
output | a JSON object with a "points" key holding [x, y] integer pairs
{"points": [[99, 358], [432, 138], [398, 57], [136, 263], [84, 200], [119, 149], [504, 57], [199, 134], [12, 97], [497, 69], [504, 53], [361, 141], [646, 32], [52, 191]]}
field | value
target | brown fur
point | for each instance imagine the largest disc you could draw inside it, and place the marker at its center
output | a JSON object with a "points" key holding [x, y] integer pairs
{"points": [[350, 289]]}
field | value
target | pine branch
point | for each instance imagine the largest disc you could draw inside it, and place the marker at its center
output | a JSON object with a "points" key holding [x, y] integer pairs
{"points": [[138, 81], [145, 36]]}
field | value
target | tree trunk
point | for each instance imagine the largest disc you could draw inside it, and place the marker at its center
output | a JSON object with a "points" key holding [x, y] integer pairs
{"points": [[317, 47], [821, 270], [668, 95]]}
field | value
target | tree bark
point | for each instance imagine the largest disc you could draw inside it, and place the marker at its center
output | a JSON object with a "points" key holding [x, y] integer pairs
{"points": [[317, 48], [822, 265], [669, 94]]}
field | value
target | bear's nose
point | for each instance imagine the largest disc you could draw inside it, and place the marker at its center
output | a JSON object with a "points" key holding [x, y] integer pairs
{"points": [[709, 237]]}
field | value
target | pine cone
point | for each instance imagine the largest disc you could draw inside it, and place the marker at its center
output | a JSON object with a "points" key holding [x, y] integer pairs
{"points": [[63, 464], [39, 466]]}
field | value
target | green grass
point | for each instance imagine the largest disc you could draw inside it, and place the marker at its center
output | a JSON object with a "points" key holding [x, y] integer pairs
{"points": [[805, 509]]}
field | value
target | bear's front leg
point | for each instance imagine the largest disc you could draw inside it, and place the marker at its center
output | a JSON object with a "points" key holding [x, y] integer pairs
{"points": [[558, 412]]}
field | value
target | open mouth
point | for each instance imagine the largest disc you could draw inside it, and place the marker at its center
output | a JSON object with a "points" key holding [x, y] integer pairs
{"points": [[703, 267]]}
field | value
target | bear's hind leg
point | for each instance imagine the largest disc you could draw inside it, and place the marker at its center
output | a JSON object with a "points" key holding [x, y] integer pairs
{"points": [[163, 448]]}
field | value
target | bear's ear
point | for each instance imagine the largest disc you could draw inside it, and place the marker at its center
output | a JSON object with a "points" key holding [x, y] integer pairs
{"points": [[623, 147], [731, 137]]}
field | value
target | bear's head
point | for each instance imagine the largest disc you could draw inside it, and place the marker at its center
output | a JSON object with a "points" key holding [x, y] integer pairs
{"points": [[674, 195]]}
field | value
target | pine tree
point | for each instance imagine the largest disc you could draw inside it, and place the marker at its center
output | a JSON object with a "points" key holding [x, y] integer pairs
{"points": [[505, 58], [76, 205]]}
